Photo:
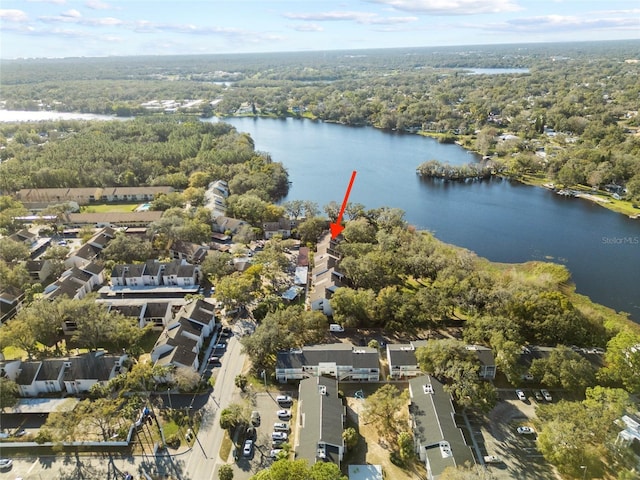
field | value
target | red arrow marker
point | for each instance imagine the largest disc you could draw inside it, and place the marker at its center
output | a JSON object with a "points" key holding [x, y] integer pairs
{"points": [[336, 228]]}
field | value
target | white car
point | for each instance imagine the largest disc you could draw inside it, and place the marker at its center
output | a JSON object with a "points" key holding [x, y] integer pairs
{"points": [[547, 396], [279, 436], [521, 395], [284, 400], [248, 448], [5, 463], [274, 453], [492, 459], [525, 430], [280, 427], [284, 414]]}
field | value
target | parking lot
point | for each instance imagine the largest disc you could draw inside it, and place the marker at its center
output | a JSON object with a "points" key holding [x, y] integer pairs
{"points": [[266, 404], [518, 453]]}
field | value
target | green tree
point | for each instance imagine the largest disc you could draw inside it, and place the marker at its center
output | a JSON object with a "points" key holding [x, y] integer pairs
{"points": [[350, 437], [387, 410], [232, 417], [127, 249], [564, 368], [12, 251], [241, 382], [622, 361], [225, 472], [217, 265], [9, 393], [310, 229]]}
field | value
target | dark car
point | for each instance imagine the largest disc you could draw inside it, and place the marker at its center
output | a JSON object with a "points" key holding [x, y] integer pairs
{"points": [[250, 434]]}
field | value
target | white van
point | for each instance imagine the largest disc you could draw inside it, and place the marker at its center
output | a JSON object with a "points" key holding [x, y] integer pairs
{"points": [[334, 327]]}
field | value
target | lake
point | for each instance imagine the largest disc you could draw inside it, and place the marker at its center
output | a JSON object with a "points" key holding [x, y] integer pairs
{"points": [[501, 220]]}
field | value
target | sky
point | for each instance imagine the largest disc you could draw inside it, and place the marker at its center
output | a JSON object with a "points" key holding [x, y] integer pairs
{"points": [[98, 28]]}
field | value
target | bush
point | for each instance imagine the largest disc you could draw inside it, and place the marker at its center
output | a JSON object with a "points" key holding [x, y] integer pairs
{"points": [[173, 441]]}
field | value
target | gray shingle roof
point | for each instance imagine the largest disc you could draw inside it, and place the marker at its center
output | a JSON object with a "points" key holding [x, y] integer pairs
{"points": [[322, 417], [338, 353], [435, 427]]}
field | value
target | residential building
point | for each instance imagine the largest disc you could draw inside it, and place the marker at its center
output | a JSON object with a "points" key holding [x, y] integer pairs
{"points": [[321, 416], [338, 360], [191, 252], [439, 442], [486, 359], [84, 371], [112, 219]]}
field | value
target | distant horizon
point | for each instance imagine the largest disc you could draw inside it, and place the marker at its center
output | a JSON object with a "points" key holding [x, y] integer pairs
{"points": [[337, 50], [36, 29]]}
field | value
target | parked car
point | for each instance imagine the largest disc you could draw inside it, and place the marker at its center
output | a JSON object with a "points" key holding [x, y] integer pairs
{"points": [[281, 427], [214, 360], [284, 414], [538, 396], [525, 430], [284, 400], [336, 328], [492, 459], [248, 448], [255, 418], [277, 443], [5, 463], [547, 396], [528, 377], [279, 436], [521, 395], [274, 452], [250, 433]]}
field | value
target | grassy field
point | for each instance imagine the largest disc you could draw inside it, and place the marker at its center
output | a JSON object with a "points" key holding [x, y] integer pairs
{"points": [[109, 207]]}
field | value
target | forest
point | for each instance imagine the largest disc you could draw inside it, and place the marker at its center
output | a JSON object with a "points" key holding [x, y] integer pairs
{"points": [[570, 110]]}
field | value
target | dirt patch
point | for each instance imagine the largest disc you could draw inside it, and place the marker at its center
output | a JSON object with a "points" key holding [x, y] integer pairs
{"points": [[371, 449]]}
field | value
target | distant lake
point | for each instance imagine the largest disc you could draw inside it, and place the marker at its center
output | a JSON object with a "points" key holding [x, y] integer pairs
{"points": [[495, 71]]}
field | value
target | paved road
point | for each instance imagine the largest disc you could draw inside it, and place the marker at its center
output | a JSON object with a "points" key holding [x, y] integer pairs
{"points": [[200, 463]]}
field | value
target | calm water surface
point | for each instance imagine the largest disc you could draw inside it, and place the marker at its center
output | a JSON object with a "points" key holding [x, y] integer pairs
{"points": [[500, 220]]}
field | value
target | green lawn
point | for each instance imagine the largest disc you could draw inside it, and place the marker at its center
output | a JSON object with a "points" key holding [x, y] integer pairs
{"points": [[109, 207]]}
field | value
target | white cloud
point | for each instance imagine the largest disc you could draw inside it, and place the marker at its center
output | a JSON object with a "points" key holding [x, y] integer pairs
{"points": [[557, 23], [308, 27], [97, 5], [16, 16], [452, 7], [346, 16], [55, 2], [73, 13]]}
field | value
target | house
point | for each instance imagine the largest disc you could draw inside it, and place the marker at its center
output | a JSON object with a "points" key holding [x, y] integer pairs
{"points": [[37, 377], [178, 345], [630, 436], [439, 443], [339, 360], [201, 314], [37, 245], [282, 227], [10, 303], [180, 342], [39, 198], [155, 274], [325, 279], [321, 417], [76, 282], [487, 361], [113, 219], [39, 270], [156, 314], [85, 254], [402, 361], [223, 224], [179, 272], [84, 371], [191, 252]]}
